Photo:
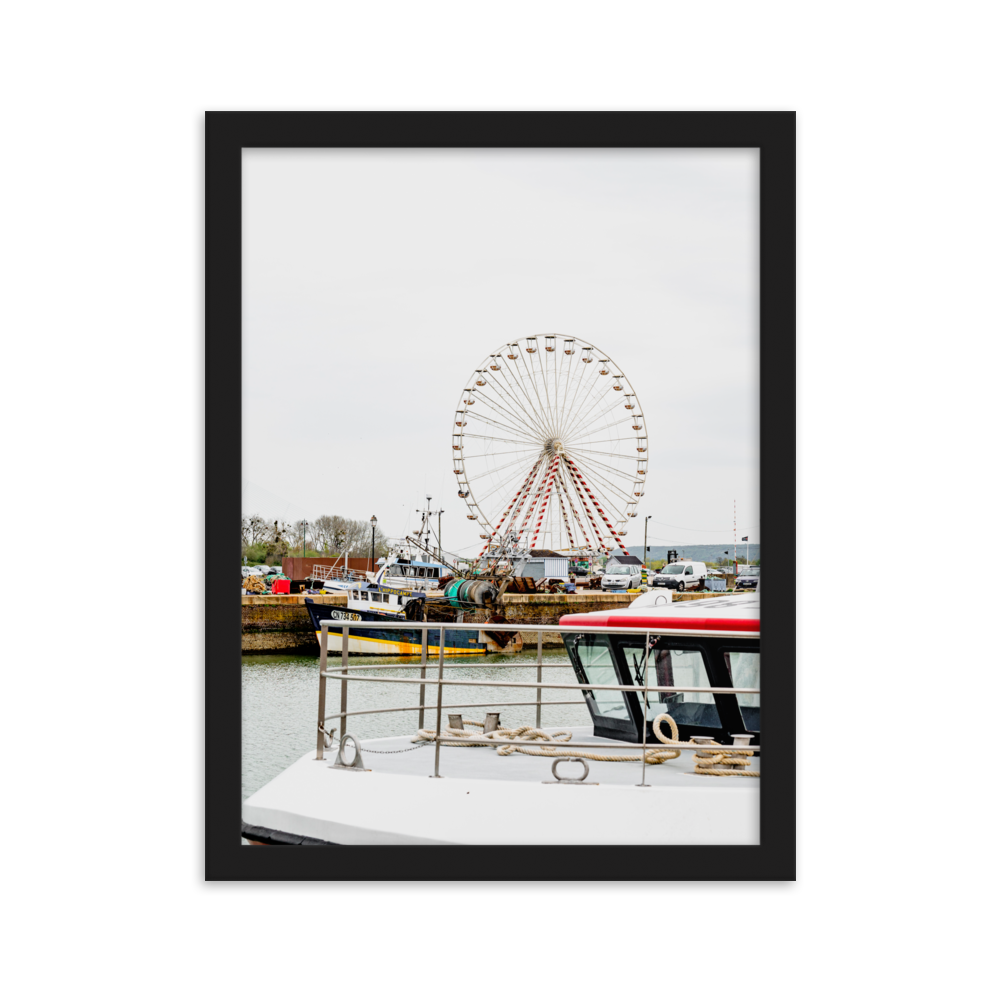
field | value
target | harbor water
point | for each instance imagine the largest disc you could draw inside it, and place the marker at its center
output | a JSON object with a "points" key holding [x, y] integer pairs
{"points": [[280, 695]]}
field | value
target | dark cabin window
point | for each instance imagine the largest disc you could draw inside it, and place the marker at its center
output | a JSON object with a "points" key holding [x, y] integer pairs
{"points": [[744, 669], [670, 666], [598, 663]]}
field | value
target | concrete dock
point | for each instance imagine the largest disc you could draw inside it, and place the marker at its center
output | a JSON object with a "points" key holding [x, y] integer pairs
{"points": [[279, 623]]}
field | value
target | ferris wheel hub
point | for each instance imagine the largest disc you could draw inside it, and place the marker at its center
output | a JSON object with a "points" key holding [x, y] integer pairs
{"points": [[554, 447]]}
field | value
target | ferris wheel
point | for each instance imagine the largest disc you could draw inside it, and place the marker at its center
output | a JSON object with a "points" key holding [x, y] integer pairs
{"points": [[549, 447]]}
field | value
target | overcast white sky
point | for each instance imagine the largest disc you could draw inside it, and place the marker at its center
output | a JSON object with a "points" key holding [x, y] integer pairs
{"points": [[375, 282]]}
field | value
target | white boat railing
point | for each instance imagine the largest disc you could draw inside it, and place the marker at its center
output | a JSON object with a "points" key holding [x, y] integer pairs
{"points": [[323, 574], [439, 682]]}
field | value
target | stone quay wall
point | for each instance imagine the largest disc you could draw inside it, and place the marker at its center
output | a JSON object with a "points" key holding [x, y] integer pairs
{"points": [[279, 623], [547, 609]]}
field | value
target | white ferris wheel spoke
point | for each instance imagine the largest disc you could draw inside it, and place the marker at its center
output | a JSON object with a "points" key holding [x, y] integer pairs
{"points": [[496, 405], [516, 396], [597, 451], [526, 381], [545, 385], [514, 511], [544, 421], [597, 389], [564, 374], [517, 392], [487, 437], [593, 517], [490, 472], [504, 500], [556, 365], [497, 454], [621, 474], [514, 371], [492, 422], [505, 481], [592, 474], [569, 363], [597, 429], [571, 411], [593, 418], [582, 524]]}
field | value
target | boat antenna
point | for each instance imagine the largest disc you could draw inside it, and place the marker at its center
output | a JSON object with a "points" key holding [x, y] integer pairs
{"points": [[416, 541]]}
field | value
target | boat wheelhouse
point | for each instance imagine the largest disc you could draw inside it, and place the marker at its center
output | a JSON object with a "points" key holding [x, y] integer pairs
{"points": [[711, 643], [412, 574], [667, 682]]}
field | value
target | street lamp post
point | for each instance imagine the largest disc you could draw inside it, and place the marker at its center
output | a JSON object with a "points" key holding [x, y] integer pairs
{"points": [[303, 524], [374, 522], [645, 547]]}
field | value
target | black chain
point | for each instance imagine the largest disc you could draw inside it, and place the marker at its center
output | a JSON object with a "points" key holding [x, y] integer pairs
{"points": [[407, 750]]}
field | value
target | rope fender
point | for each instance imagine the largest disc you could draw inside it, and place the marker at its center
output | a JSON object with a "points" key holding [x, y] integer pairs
{"points": [[705, 760]]}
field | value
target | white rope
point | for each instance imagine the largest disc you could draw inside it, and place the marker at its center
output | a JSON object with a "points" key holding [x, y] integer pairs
{"points": [[727, 763]]}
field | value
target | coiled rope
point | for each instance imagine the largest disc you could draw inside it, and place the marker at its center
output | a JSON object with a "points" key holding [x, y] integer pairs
{"points": [[706, 761]]}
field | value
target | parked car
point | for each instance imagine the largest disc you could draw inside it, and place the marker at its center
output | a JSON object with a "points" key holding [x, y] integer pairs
{"points": [[749, 578], [684, 575], [622, 578]]}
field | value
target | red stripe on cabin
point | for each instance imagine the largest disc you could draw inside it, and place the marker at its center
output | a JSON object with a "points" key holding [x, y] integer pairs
{"points": [[642, 622]]}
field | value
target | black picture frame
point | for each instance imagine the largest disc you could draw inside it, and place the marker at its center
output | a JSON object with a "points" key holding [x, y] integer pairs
{"points": [[227, 134]]}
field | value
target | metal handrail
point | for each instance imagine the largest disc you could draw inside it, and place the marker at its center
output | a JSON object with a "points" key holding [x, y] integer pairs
{"points": [[460, 666], [426, 628], [555, 687], [444, 708]]}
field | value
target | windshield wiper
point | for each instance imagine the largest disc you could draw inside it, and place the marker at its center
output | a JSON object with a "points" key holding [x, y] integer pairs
{"points": [[638, 672]]}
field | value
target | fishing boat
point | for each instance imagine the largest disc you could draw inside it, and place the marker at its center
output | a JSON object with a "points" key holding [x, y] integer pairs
{"points": [[373, 605], [671, 756]]}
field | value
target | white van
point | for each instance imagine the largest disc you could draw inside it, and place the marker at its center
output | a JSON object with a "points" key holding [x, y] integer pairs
{"points": [[682, 575]]}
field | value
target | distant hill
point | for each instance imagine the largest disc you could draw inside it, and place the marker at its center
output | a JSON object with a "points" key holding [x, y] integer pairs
{"points": [[701, 553]]}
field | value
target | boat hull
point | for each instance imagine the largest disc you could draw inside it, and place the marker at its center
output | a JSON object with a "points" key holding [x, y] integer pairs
{"points": [[366, 637], [400, 642]]}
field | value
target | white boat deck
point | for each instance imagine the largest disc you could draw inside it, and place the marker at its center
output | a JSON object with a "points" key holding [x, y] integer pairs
{"points": [[485, 762], [483, 798]]}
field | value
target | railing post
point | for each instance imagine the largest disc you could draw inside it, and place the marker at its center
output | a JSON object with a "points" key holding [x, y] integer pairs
{"points": [[538, 691], [344, 643], [423, 674], [437, 729], [324, 634], [645, 709]]}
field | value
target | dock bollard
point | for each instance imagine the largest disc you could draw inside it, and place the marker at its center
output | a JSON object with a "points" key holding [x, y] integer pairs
{"points": [[709, 741], [455, 722], [742, 740], [492, 723]]}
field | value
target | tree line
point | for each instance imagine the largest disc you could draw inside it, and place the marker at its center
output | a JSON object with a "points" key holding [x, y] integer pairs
{"points": [[268, 541]]}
